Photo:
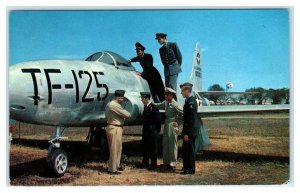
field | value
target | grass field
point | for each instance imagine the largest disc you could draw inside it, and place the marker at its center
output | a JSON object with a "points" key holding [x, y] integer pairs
{"points": [[245, 150]]}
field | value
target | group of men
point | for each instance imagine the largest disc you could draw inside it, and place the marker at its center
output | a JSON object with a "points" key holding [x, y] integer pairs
{"points": [[115, 114], [164, 98]]}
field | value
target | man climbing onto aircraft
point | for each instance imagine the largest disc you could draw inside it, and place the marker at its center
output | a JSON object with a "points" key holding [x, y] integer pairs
{"points": [[190, 130], [151, 129], [173, 113], [171, 58], [150, 73], [115, 116]]}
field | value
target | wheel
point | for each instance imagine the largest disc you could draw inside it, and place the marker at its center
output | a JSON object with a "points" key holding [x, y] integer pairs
{"points": [[57, 162]]}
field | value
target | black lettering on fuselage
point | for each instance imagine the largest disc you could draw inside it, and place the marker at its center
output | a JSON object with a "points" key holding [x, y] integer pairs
{"points": [[76, 86], [50, 86], [32, 71], [99, 98], [84, 98], [68, 86]]}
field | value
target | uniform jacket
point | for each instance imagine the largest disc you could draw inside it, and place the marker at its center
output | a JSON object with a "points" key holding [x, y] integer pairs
{"points": [[115, 114], [151, 74], [152, 119], [172, 109], [146, 61], [191, 124], [171, 58]]}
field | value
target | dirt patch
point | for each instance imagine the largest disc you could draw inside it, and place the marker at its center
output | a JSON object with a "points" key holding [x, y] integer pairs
{"points": [[93, 171], [243, 151]]}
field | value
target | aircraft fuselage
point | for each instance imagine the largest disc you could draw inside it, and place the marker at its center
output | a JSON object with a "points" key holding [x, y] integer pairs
{"points": [[71, 93]]}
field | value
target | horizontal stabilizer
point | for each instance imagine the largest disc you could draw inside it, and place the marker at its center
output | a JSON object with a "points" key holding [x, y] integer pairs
{"points": [[206, 111]]}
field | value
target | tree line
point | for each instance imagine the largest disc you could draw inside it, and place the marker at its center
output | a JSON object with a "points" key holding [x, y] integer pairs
{"points": [[263, 96]]}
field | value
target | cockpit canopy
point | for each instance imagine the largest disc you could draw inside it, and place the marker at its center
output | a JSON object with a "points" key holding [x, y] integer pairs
{"points": [[111, 58]]}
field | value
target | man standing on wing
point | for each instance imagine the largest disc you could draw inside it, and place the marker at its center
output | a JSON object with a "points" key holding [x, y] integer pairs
{"points": [[150, 73], [171, 58]]}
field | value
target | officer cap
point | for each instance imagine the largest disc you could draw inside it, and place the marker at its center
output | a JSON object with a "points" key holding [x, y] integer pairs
{"points": [[139, 46], [146, 95], [187, 84], [160, 35], [119, 93], [170, 91]]}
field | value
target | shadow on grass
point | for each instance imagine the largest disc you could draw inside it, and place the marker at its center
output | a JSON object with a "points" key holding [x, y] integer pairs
{"points": [[79, 154]]}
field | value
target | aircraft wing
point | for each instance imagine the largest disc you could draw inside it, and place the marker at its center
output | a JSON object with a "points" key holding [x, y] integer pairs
{"points": [[206, 111], [211, 111], [223, 92]]}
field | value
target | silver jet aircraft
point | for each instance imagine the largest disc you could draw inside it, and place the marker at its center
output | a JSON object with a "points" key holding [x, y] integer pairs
{"points": [[65, 93]]}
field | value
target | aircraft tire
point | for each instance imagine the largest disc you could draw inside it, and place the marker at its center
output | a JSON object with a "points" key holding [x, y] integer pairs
{"points": [[57, 161]]}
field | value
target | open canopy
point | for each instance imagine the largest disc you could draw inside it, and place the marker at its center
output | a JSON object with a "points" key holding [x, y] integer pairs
{"points": [[111, 58]]}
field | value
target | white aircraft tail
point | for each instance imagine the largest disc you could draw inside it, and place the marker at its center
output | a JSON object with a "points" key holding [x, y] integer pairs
{"points": [[196, 75]]}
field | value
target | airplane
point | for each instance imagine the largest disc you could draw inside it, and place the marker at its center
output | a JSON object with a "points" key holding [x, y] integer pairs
{"points": [[67, 93]]}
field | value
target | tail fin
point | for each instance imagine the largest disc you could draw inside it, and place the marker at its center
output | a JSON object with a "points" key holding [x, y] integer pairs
{"points": [[196, 75]]}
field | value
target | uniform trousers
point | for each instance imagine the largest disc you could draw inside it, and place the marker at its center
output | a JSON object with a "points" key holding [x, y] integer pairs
{"points": [[114, 139], [149, 145], [171, 81], [188, 154], [170, 147]]}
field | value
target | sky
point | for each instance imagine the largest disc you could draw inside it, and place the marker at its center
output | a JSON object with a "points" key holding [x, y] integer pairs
{"points": [[249, 48]]}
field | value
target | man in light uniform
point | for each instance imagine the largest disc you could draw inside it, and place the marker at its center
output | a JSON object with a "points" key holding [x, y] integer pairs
{"points": [[115, 116], [173, 113]]}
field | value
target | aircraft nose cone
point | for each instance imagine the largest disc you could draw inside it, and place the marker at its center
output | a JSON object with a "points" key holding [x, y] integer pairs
{"points": [[15, 89], [21, 91]]}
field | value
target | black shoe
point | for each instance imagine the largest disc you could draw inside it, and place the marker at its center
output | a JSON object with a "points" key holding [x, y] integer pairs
{"points": [[121, 168], [152, 168], [143, 165], [164, 166], [186, 172], [114, 173]]}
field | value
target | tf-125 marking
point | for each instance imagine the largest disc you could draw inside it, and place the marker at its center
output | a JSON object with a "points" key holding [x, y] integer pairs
{"points": [[33, 71]]}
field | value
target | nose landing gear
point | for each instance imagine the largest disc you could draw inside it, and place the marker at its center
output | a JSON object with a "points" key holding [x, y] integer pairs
{"points": [[57, 159]]}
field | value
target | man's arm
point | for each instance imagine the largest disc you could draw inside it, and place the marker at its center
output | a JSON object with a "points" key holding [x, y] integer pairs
{"points": [[178, 53], [157, 118], [189, 121], [193, 117], [135, 59], [160, 105], [179, 112], [161, 53], [122, 112], [177, 107]]}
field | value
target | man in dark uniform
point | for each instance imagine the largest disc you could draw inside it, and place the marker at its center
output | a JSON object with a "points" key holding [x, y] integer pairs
{"points": [[190, 130], [171, 58], [150, 73], [151, 129]]}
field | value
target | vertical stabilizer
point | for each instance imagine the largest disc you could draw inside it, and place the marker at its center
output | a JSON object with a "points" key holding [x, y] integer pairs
{"points": [[196, 75]]}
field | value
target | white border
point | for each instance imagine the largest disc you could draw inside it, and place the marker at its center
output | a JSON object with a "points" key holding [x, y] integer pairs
{"points": [[121, 4]]}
